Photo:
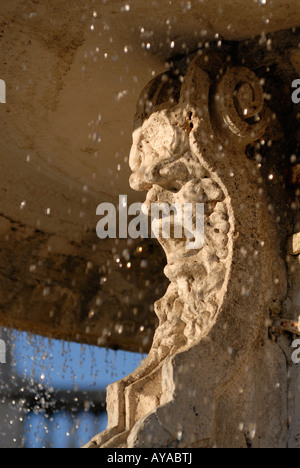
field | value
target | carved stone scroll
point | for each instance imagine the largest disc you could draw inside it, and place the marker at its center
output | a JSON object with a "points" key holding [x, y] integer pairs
{"points": [[213, 377]]}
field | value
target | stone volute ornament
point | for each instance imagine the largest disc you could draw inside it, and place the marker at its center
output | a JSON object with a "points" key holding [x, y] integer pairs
{"points": [[213, 377]]}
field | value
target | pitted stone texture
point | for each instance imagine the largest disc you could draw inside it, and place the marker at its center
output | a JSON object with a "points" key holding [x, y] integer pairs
{"points": [[212, 339]]}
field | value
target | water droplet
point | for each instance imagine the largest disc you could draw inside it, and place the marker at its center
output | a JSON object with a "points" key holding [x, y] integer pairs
{"points": [[46, 291], [243, 251], [253, 432], [91, 314], [96, 137], [293, 158], [125, 8], [99, 301]]}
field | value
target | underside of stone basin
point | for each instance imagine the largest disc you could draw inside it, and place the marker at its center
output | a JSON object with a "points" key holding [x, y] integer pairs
{"points": [[74, 73]]}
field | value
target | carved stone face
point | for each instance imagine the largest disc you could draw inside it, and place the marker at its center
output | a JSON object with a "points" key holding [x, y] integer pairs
{"points": [[156, 146], [213, 312], [163, 164], [159, 159]]}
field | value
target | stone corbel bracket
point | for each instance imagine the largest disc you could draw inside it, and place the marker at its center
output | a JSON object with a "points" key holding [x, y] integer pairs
{"points": [[212, 367]]}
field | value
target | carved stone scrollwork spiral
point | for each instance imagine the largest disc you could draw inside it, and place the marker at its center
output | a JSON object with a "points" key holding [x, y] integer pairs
{"points": [[239, 104]]}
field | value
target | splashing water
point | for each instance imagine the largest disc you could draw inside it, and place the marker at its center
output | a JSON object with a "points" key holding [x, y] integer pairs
{"points": [[52, 393]]}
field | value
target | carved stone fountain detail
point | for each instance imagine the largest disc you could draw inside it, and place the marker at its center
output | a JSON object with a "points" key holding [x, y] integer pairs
{"points": [[212, 367]]}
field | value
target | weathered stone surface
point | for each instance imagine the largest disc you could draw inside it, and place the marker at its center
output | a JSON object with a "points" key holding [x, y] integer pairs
{"points": [[55, 172], [78, 292], [64, 65], [61, 74], [214, 376]]}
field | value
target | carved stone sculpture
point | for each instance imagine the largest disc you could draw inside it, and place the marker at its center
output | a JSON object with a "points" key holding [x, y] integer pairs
{"points": [[213, 377]]}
